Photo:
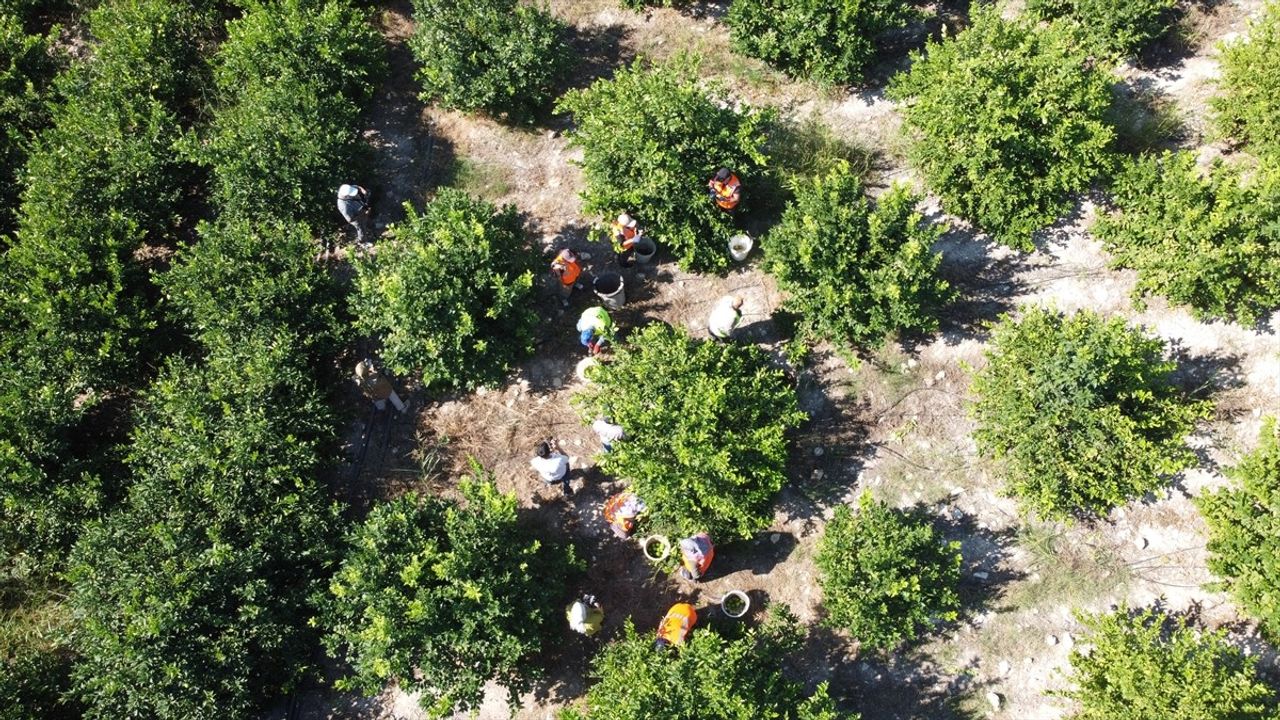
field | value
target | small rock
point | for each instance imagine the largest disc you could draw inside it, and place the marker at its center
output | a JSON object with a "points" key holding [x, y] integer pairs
{"points": [[553, 134], [577, 442], [641, 276], [682, 283], [557, 383], [774, 538], [1028, 661], [928, 382], [1257, 412], [1004, 668], [817, 474], [1067, 640], [1051, 640], [911, 362], [941, 374], [994, 699], [586, 256], [818, 451], [1141, 542], [957, 491], [982, 575]]}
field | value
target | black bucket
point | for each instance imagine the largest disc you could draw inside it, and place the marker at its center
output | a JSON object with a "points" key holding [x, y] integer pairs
{"points": [[610, 289]]}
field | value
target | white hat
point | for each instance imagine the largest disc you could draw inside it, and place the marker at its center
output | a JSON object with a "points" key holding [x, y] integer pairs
{"points": [[626, 220], [347, 192]]}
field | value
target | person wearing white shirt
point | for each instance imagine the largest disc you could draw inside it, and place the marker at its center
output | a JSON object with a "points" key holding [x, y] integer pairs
{"points": [[607, 432], [725, 317], [552, 465]]}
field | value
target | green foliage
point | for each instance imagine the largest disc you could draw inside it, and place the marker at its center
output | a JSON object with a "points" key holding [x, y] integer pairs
{"points": [[1080, 411], [706, 424], [193, 594], [853, 274], [444, 598], [1119, 27], [291, 78], [712, 677], [1006, 121], [26, 69], [1248, 106], [886, 575], [1244, 532], [501, 56], [651, 139], [450, 293], [76, 309], [820, 39], [246, 277], [1146, 665], [1209, 242]]}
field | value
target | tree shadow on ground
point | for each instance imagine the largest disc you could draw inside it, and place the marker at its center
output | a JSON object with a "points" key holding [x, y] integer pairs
{"points": [[598, 52], [1202, 376], [985, 276], [760, 556], [984, 571], [901, 686]]}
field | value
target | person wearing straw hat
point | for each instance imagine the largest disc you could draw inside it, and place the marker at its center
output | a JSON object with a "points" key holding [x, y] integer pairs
{"points": [[353, 204], [625, 236], [725, 317], [585, 615], [376, 386], [566, 270]]}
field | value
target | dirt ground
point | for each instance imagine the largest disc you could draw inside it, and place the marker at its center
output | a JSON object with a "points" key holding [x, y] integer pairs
{"points": [[894, 424]]}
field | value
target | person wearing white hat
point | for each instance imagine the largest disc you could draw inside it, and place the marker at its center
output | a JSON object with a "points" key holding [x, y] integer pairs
{"points": [[585, 615], [625, 237], [353, 203]]}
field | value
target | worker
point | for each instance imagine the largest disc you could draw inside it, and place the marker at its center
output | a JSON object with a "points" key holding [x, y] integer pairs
{"points": [[725, 190], [566, 270], [595, 328], [622, 511], [608, 432], [725, 316], [376, 386], [585, 615], [696, 554], [353, 203], [675, 625], [552, 465], [625, 236]]}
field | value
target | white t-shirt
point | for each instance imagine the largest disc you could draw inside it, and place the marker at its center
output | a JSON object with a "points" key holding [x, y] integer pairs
{"points": [[723, 318], [551, 468], [607, 431]]}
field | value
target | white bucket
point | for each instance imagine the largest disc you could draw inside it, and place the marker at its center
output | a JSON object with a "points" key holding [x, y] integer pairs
{"points": [[656, 547], [735, 598], [583, 366], [740, 247]]}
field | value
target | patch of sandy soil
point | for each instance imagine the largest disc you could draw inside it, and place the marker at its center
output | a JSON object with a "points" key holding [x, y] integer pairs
{"points": [[894, 422]]}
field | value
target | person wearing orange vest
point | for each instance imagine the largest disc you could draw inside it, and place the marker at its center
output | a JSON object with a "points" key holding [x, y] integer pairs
{"points": [[621, 512], [696, 554], [566, 269], [675, 625], [725, 190], [625, 236]]}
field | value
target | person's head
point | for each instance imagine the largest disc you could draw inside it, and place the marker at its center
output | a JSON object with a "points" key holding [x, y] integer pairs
{"points": [[544, 449], [578, 613], [735, 301], [661, 644], [722, 174], [626, 221], [348, 192], [568, 255]]}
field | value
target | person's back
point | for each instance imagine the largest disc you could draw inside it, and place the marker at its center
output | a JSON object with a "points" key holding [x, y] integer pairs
{"points": [[696, 554], [552, 465], [352, 201], [725, 317], [676, 624], [585, 615]]}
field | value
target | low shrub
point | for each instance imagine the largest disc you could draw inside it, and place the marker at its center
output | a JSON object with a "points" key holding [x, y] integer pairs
{"points": [[712, 675], [1244, 532], [1147, 665], [245, 277], [1211, 242], [1006, 121], [444, 598], [706, 423], [1113, 26], [450, 293], [291, 77], [1247, 108], [35, 667], [853, 273], [1081, 412], [886, 575], [828, 41], [501, 56], [651, 139], [193, 595]]}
